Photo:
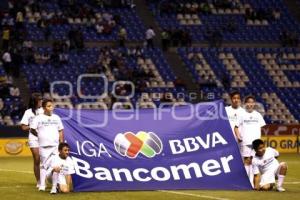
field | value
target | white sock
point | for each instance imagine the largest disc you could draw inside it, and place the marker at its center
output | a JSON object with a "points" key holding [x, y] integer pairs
{"points": [[43, 174], [280, 180], [250, 174], [54, 179]]}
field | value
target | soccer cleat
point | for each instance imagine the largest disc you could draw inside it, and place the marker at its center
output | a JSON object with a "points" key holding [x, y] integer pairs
{"points": [[37, 185], [53, 190], [42, 188], [280, 189]]}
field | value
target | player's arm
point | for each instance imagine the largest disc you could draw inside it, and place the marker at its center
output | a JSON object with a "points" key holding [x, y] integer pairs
{"points": [[33, 131], [256, 180], [56, 169], [276, 153], [61, 135], [25, 127], [262, 123], [52, 169], [25, 122], [237, 134], [60, 131], [34, 126]]}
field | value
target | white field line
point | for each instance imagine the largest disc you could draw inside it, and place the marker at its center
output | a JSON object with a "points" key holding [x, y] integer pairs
{"points": [[16, 186], [18, 171], [292, 183], [193, 195], [291, 179]]}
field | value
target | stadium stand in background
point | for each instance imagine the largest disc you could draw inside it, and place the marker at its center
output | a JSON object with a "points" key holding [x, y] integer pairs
{"points": [[246, 45]]}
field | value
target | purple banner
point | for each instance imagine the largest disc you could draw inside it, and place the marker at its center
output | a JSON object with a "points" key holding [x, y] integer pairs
{"points": [[186, 147]]}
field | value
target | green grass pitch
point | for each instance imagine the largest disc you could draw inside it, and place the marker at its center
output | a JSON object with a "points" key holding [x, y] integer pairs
{"points": [[17, 183]]}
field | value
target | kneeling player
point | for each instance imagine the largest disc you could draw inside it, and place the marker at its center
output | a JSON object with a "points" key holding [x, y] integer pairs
{"points": [[60, 170], [266, 164]]}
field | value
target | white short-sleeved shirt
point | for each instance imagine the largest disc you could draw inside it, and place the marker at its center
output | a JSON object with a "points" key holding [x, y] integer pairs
{"points": [[48, 128], [66, 165], [233, 115], [250, 126], [267, 162], [28, 117]]}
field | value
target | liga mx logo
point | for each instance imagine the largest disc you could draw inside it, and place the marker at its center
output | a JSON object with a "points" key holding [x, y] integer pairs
{"points": [[130, 144]]}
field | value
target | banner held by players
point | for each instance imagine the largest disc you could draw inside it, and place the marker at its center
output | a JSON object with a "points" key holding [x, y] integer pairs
{"points": [[188, 147]]}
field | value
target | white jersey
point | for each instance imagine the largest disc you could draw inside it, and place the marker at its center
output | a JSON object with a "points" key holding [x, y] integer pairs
{"points": [[29, 115], [266, 163], [28, 118], [48, 128], [233, 115], [250, 126], [66, 165]]}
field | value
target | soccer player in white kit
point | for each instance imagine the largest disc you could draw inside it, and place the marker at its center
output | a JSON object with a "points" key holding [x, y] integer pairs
{"points": [[34, 108], [49, 129], [234, 111], [266, 165], [60, 170], [249, 129]]}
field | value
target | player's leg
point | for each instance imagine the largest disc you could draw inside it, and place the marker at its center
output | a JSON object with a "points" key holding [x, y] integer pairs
{"points": [[248, 168], [65, 183], [54, 178], [34, 148], [246, 152], [43, 157], [36, 163], [267, 181], [281, 173], [46, 154], [267, 187]]}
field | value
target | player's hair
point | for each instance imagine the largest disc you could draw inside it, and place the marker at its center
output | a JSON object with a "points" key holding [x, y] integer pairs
{"points": [[256, 143], [232, 94], [249, 97], [45, 102], [62, 145], [33, 101]]}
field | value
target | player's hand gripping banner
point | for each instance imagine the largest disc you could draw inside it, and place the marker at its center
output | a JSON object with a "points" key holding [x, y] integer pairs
{"points": [[187, 147]]}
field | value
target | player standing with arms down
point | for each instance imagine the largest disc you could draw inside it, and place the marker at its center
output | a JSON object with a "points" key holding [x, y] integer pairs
{"points": [[34, 109], [247, 130], [49, 129], [60, 170], [266, 164], [234, 111]]}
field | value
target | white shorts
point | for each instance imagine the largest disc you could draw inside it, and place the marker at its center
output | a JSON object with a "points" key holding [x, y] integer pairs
{"points": [[246, 150], [46, 155], [269, 176], [33, 141]]}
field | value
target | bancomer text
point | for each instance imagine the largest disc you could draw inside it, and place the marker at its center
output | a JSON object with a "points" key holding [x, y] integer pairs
{"points": [[209, 167]]}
